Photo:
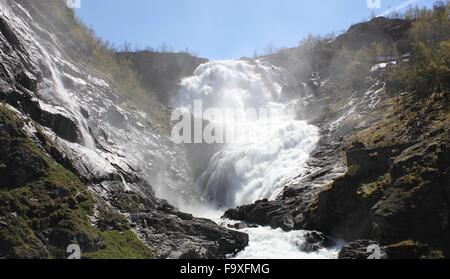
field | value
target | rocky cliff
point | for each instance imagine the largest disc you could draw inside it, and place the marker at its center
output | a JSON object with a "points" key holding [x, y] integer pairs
{"points": [[73, 119], [382, 163]]}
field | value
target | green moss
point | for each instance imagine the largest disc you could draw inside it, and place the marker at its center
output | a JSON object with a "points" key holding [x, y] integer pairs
{"points": [[372, 189], [121, 245], [111, 220], [16, 236], [44, 207]]}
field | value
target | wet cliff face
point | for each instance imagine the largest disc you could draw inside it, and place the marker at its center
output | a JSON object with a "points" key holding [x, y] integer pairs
{"points": [[111, 135]]}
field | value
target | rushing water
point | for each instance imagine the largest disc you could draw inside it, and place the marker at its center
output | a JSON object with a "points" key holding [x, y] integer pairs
{"points": [[265, 154], [60, 95], [67, 100], [265, 151]]}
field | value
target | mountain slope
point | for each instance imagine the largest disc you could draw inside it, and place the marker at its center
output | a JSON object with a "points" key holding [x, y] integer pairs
{"points": [[86, 150], [161, 72], [362, 89]]}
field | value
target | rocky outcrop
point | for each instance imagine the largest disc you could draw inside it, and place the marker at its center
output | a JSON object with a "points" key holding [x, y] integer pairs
{"points": [[373, 161], [409, 202], [174, 235], [379, 30]]}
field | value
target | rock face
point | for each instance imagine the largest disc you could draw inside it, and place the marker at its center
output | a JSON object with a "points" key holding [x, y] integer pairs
{"points": [[55, 189], [409, 202]]}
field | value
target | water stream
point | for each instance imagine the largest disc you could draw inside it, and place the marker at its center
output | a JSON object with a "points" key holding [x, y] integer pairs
{"points": [[266, 153]]}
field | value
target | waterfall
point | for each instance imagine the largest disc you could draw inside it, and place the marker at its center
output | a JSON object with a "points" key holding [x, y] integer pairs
{"points": [[262, 158], [67, 100], [268, 151]]}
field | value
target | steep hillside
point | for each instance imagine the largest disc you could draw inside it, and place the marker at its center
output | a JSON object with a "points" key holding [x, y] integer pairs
{"points": [[363, 89], [85, 150], [161, 72]]}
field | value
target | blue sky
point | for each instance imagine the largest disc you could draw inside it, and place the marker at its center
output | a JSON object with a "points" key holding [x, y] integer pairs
{"points": [[224, 29]]}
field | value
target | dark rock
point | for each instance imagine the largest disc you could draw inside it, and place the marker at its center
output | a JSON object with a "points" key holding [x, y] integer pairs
{"points": [[10, 35], [27, 80], [412, 250], [238, 226], [374, 161], [357, 145], [315, 241], [63, 125], [173, 237], [285, 222]]}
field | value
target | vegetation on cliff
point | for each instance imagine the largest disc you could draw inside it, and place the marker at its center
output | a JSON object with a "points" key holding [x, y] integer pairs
{"points": [[428, 69], [396, 190], [44, 207]]}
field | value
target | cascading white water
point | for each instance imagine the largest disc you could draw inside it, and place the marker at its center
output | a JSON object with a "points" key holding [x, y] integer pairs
{"points": [[266, 152], [65, 98], [263, 157]]}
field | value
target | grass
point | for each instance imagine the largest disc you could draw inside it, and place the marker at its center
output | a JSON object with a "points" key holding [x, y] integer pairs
{"points": [[121, 245], [44, 207]]}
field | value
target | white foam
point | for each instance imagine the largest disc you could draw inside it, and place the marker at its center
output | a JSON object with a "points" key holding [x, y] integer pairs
{"points": [[266, 243], [268, 152]]}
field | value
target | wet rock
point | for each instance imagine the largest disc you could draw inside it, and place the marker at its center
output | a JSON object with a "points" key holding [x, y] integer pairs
{"points": [[10, 35], [62, 124], [27, 80], [238, 226], [117, 118], [285, 222], [315, 241], [175, 237]]}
